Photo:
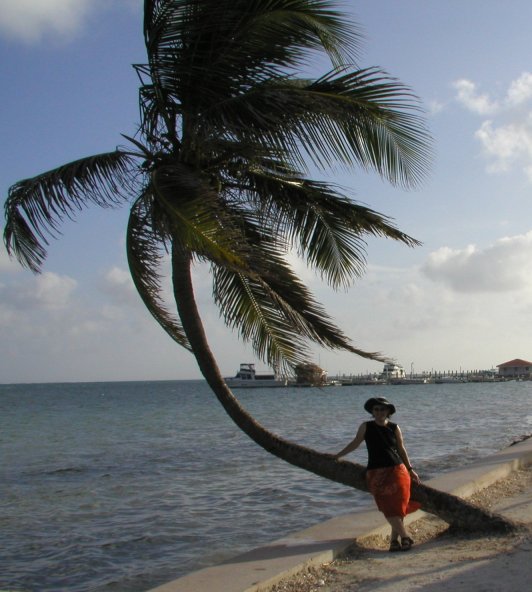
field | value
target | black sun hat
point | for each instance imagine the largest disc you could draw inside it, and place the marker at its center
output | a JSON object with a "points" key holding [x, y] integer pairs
{"points": [[370, 403]]}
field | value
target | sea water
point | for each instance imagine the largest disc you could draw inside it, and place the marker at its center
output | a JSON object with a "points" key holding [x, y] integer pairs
{"points": [[122, 486]]}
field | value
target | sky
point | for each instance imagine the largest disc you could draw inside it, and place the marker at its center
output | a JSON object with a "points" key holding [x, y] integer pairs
{"points": [[461, 300]]}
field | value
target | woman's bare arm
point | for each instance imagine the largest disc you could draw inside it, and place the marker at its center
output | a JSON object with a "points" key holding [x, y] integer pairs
{"points": [[355, 443], [404, 454]]}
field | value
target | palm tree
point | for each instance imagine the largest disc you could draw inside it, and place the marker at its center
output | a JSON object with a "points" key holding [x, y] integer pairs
{"points": [[218, 172]]}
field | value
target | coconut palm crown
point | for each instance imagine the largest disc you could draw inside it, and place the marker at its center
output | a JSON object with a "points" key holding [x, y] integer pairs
{"points": [[218, 169]]}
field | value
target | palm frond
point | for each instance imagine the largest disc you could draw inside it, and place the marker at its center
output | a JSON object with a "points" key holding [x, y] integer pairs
{"points": [[246, 307], [363, 117], [384, 130], [325, 227], [199, 221], [274, 311], [145, 254], [35, 207], [208, 50]]}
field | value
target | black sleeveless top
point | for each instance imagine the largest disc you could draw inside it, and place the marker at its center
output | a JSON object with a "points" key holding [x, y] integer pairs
{"points": [[382, 445]]}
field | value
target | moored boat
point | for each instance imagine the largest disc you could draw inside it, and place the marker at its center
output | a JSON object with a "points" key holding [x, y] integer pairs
{"points": [[247, 377], [392, 371]]}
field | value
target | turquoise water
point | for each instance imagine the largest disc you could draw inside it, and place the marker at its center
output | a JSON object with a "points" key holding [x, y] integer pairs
{"points": [[122, 486]]}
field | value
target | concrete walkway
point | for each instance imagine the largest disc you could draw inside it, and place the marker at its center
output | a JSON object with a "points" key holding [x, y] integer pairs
{"points": [[260, 568]]}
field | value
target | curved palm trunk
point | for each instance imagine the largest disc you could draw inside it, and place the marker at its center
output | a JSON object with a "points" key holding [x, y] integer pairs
{"points": [[448, 507]]}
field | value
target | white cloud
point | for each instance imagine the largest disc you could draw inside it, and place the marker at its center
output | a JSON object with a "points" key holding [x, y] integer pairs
{"points": [[53, 291], [477, 292], [505, 138], [48, 291], [56, 328], [506, 145], [119, 286], [117, 276], [520, 90], [472, 100], [30, 20], [505, 266], [435, 107], [440, 324]]}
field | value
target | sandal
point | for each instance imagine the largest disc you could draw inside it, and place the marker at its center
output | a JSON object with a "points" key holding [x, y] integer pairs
{"points": [[395, 546], [406, 543]]}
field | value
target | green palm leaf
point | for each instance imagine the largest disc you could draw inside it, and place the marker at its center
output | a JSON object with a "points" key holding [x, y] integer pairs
{"points": [[273, 310], [196, 220], [240, 41], [202, 53], [145, 254], [326, 228], [363, 117], [35, 207]]}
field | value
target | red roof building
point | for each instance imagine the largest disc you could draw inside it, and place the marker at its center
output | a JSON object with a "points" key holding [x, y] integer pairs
{"points": [[515, 368]]}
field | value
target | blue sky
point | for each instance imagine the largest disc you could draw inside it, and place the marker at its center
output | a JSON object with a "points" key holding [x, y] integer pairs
{"points": [[461, 300]]}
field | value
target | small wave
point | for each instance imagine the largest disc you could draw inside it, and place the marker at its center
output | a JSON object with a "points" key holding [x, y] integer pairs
{"points": [[122, 543], [65, 470]]}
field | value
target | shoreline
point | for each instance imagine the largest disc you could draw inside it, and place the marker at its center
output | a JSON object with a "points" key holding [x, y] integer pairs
{"points": [[444, 551], [304, 552]]}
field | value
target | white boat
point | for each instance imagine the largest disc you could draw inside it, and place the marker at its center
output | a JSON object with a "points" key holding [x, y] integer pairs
{"points": [[393, 371], [247, 377]]}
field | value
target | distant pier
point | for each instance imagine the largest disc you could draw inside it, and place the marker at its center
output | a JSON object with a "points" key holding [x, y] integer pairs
{"points": [[432, 377]]}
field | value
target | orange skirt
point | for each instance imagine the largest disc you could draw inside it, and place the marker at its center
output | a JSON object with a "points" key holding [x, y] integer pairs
{"points": [[390, 486]]}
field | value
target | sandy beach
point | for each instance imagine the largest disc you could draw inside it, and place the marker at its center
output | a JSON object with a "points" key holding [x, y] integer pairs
{"points": [[441, 560]]}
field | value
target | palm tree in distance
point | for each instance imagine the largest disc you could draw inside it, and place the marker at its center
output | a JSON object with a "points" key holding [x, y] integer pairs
{"points": [[218, 173]]}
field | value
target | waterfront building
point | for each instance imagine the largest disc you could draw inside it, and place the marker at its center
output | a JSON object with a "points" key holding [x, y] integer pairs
{"points": [[515, 369]]}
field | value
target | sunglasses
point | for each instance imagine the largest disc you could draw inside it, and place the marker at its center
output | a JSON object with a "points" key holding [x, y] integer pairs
{"points": [[380, 408]]}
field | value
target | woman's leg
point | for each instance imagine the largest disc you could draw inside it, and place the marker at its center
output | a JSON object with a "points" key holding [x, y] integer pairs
{"points": [[397, 524], [396, 538], [398, 527]]}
